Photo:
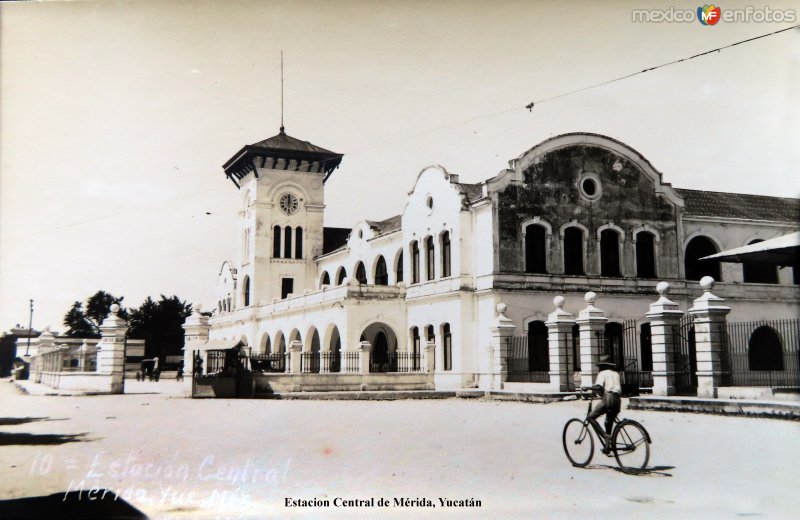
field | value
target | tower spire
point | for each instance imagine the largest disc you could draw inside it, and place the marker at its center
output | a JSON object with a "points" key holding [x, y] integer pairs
{"points": [[282, 128]]}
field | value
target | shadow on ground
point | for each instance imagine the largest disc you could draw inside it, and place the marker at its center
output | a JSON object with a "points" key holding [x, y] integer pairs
{"points": [[13, 421], [104, 504], [44, 439]]}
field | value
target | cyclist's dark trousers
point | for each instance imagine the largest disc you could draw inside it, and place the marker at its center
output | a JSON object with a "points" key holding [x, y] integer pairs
{"points": [[610, 406]]}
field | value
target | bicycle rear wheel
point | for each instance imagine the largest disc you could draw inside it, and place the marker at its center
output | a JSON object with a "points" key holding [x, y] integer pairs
{"points": [[631, 445], [578, 443]]}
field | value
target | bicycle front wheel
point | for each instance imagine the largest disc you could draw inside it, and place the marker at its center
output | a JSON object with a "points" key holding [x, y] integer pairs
{"points": [[578, 443], [631, 445]]}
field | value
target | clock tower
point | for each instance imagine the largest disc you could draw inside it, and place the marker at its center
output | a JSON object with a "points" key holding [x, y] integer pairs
{"points": [[281, 181]]}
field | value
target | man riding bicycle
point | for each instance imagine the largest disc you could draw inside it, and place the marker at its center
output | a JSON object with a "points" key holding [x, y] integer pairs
{"points": [[609, 387]]}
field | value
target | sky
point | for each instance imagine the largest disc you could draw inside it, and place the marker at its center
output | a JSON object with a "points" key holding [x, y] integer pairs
{"points": [[117, 116]]}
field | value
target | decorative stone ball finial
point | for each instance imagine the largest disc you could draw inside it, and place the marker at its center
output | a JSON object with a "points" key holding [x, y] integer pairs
{"points": [[662, 289], [590, 297], [501, 308], [559, 301], [114, 309], [707, 283], [198, 308]]}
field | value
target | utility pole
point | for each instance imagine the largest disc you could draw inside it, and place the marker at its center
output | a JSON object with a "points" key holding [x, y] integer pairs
{"points": [[30, 329]]}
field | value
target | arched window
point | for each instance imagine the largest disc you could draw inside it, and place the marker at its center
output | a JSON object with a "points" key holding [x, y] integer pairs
{"points": [[535, 249], [415, 345], [414, 262], [399, 268], [276, 242], [645, 255], [361, 273], [756, 272], [573, 251], [429, 261], [430, 334], [765, 351], [697, 248], [340, 276], [287, 242], [609, 253], [326, 280], [381, 273], [538, 348], [445, 254], [298, 247], [246, 291], [447, 347], [246, 245]]}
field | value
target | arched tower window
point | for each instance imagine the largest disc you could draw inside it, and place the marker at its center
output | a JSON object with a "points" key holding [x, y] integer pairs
{"points": [[765, 351], [414, 262], [361, 273], [535, 249], [381, 273], [399, 267], [445, 254], [697, 248], [326, 280], [429, 263], [276, 242], [340, 276], [573, 251], [609, 253], [287, 242], [246, 291], [756, 272], [645, 255], [298, 247]]}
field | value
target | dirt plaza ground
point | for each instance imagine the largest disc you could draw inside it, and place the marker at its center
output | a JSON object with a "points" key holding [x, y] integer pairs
{"points": [[172, 457]]}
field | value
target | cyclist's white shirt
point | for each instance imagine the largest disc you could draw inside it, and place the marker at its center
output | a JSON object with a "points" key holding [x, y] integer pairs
{"points": [[609, 380]]}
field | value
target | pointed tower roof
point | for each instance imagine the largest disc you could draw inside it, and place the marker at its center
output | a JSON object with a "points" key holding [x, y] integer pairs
{"points": [[282, 152]]}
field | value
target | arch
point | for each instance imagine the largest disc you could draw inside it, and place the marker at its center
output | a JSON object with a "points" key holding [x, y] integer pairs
{"points": [[610, 251], [298, 248], [325, 279], [295, 336], [535, 237], [538, 347], [312, 342], [341, 274], [333, 344], [430, 261], [243, 340], [756, 272], [276, 242], [265, 346], [398, 267], [573, 238], [645, 245], [287, 242], [361, 273], [384, 346], [246, 291], [697, 248], [279, 345], [414, 256], [613, 343], [416, 345], [381, 273], [765, 350], [447, 347], [446, 254]]}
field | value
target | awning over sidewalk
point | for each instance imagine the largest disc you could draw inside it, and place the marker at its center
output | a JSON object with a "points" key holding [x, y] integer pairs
{"points": [[782, 251], [220, 344]]}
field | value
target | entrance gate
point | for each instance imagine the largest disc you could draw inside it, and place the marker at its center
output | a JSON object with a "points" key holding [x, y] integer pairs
{"points": [[636, 357], [685, 357]]}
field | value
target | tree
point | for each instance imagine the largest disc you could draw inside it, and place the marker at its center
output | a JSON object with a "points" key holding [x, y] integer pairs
{"points": [[160, 325], [82, 323]]}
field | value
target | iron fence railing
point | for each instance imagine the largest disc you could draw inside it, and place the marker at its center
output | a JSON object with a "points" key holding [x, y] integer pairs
{"points": [[275, 362], [528, 361], [351, 361], [309, 362], [762, 353]]}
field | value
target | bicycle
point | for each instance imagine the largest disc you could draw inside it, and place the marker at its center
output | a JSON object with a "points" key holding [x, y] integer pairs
{"points": [[629, 442]]}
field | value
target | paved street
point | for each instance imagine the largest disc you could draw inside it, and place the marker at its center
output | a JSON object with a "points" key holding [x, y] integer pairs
{"points": [[172, 457]]}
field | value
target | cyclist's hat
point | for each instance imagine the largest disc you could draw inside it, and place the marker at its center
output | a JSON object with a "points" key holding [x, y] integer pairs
{"points": [[605, 361]]}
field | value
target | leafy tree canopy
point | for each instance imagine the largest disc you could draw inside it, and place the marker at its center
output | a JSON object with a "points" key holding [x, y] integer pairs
{"points": [[85, 323], [160, 325]]}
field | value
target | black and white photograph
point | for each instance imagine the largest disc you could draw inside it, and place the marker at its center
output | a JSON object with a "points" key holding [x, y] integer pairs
{"points": [[399, 259]]}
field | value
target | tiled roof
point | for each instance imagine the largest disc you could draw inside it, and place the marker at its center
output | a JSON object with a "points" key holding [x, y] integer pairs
{"points": [[739, 205], [286, 143], [386, 226], [472, 191]]}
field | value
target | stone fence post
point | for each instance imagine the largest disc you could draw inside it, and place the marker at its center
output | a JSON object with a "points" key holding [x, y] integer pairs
{"points": [[501, 331], [111, 350], [592, 323], [708, 314], [365, 349], [295, 357], [195, 335], [429, 357], [665, 317], [559, 337]]}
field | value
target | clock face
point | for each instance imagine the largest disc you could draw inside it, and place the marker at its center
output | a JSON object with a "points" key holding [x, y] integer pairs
{"points": [[289, 203]]}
